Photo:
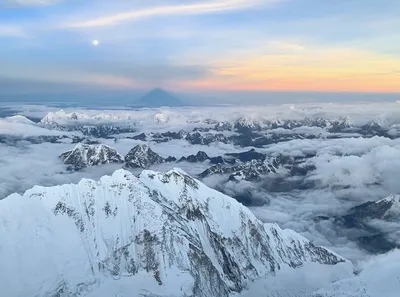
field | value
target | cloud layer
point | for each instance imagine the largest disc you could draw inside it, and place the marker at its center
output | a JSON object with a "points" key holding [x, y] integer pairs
{"points": [[348, 171]]}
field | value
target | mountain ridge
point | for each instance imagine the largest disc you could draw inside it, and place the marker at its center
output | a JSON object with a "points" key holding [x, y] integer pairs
{"points": [[78, 236], [87, 155]]}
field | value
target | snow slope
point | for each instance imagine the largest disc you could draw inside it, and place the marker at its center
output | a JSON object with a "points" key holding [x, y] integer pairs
{"points": [[394, 210], [19, 119], [85, 155], [165, 231], [380, 277]]}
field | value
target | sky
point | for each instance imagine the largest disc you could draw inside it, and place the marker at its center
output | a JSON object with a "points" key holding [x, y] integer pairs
{"points": [[196, 46]]}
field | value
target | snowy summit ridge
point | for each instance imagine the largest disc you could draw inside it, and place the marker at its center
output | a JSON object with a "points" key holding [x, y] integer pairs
{"points": [[162, 227], [142, 156], [85, 155]]}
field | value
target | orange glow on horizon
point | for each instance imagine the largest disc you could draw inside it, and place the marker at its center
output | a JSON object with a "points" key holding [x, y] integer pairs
{"points": [[388, 86], [333, 70]]}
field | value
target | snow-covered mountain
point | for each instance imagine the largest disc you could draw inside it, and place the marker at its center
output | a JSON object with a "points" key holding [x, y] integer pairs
{"points": [[61, 116], [223, 126], [384, 209], [19, 119], [199, 157], [251, 170], [161, 118], [248, 156], [142, 156], [98, 130], [247, 124], [260, 127], [85, 155], [378, 224], [206, 138], [165, 230], [100, 125]]}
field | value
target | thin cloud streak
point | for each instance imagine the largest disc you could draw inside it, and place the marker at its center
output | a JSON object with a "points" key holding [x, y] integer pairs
{"points": [[27, 3], [11, 31], [197, 8]]}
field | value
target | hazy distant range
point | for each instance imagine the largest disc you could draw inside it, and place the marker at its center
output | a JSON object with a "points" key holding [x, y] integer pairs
{"points": [[85, 97]]}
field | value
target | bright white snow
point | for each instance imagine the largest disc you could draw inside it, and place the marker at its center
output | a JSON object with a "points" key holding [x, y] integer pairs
{"points": [[76, 238]]}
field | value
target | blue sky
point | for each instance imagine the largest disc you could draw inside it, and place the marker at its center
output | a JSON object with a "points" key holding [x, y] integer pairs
{"points": [[202, 46]]}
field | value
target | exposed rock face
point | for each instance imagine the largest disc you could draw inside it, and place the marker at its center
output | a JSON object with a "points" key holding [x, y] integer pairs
{"points": [[206, 138], [384, 209], [373, 129], [170, 159], [247, 125], [85, 155], [142, 156], [248, 156], [174, 135], [217, 160], [101, 131], [75, 237], [369, 217], [250, 171], [140, 136], [168, 136], [216, 169], [98, 131], [223, 126], [199, 157], [340, 124]]}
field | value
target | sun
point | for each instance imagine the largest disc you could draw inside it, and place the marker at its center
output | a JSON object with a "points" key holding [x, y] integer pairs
{"points": [[95, 42]]}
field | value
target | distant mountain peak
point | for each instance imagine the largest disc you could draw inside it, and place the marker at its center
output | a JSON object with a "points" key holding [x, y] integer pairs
{"points": [[159, 90], [142, 156], [85, 155], [159, 97]]}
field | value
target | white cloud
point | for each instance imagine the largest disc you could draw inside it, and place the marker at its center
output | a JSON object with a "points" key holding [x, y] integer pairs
{"points": [[11, 31], [379, 277], [192, 9], [15, 128], [285, 46], [21, 3], [348, 171]]}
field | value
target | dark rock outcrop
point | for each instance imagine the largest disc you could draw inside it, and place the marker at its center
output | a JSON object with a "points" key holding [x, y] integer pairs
{"points": [[199, 157], [142, 156]]}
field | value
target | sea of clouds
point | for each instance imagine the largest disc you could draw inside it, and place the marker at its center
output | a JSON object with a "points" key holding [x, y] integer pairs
{"points": [[348, 171]]}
